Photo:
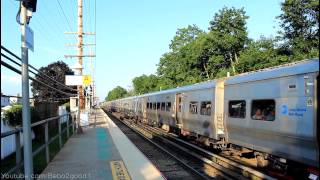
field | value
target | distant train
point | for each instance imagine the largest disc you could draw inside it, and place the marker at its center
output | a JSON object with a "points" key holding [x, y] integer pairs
{"points": [[271, 112]]}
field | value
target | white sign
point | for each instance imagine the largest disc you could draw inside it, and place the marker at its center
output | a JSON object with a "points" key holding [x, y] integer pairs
{"points": [[29, 38], [78, 80], [74, 80]]}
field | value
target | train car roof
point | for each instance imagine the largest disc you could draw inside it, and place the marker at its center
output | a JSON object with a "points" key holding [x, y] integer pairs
{"points": [[201, 85], [300, 67]]}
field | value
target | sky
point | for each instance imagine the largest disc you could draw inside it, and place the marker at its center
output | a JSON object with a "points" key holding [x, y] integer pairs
{"points": [[130, 37]]}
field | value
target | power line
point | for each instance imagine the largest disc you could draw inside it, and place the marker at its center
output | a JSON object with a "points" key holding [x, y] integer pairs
{"points": [[41, 31], [72, 9], [49, 27], [89, 12], [64, 15], [16, 63], [55, 81], [57, 25], [56, 28], [31, 78], [32, 68], [33, 71]]}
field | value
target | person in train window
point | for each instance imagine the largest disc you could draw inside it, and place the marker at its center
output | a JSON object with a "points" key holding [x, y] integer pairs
{"points": [[258, 115], [271, 115]]}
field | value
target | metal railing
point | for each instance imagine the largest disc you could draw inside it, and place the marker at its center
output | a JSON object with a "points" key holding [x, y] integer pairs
{"points": [[48, 140]]}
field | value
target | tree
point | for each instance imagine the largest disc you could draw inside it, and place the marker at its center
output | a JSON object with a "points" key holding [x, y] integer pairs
{"points": [[181, 66], [229, 26], [261, 54], [116, 93], [300, 24], [144, 84], [184, 36], [56, 71]]}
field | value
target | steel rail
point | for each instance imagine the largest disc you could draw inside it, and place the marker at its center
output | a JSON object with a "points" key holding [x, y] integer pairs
{"points": [[148, 135]]}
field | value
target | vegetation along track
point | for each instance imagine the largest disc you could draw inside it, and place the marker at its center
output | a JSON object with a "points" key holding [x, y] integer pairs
{"points": [[211, 165], [171, 163]]}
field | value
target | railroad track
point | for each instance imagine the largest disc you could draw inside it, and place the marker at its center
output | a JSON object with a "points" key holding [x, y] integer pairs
{"points": [[226, 168], [230, 167], [169, 163]]}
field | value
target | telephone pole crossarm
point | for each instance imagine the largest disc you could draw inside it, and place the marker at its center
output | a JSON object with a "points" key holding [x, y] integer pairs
{"points": [[77, 56], [76, 45], [76, 33]]}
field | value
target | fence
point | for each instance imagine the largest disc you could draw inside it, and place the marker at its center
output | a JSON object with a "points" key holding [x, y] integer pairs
{"points": [[48, 140], [8, 145]]}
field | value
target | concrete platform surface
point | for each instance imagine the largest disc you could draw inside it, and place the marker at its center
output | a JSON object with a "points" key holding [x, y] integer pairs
{"points": [[101, 152]]}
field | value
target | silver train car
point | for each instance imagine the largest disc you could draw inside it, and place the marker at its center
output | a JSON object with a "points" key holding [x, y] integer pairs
{"points": [[271, 112]]}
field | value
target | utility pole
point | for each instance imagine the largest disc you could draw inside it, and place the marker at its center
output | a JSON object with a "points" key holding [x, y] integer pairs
{"points": [[80, 44], [27, 141], [80, 53]]}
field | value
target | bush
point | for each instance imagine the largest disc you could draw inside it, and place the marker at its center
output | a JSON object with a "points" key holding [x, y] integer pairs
{"points": [[67, 105], [13, 116]]}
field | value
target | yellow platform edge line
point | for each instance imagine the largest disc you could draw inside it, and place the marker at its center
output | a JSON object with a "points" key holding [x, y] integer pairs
{"points": [[119, 170]]}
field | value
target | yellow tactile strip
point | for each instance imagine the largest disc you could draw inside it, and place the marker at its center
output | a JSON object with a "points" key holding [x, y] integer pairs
{"points": [[119, 170]]}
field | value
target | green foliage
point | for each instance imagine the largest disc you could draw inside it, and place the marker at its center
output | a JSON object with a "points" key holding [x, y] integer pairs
{"points": [[57, 71], [260, 54], [67, 105], [184, 36], [143, 84], [116, 93], [13, 116], [229, 27], [300, 24]]}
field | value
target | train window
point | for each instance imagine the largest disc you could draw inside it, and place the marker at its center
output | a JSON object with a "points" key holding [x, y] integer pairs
{"points": [[193, 107], [163, 106], [154, 106], [205, 108], [237, 109], [263, 109], [168, 106], [179, 105], [147, 105], [158, 105]]}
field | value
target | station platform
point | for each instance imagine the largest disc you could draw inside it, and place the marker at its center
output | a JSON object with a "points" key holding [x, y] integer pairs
{"points": [[101, 152]]}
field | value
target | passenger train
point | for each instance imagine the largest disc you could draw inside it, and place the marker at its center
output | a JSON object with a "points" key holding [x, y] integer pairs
{"points": [[270, 112]]}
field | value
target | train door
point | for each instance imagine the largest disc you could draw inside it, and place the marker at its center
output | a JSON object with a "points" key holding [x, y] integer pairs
{"points": [[219, 110], [144, 109], [317, 111], [178, 110], [136, 106]]}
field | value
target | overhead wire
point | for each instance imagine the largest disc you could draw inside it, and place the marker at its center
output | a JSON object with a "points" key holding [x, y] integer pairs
{"points": [[89, 16], [55, 30], [68, 23], [72, 10], [11, 53], [59, 30], [8, 58], [31, 78], [41, 28]]}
